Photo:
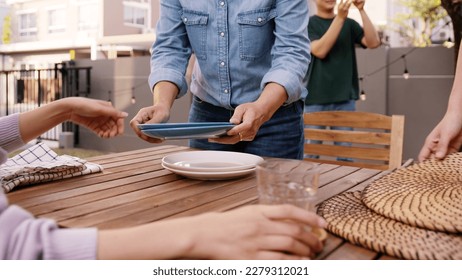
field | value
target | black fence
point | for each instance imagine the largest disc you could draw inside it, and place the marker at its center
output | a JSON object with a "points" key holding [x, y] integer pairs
{"points": [[23, 90]]}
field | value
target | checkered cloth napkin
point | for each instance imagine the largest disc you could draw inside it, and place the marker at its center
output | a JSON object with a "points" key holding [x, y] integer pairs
{"points": [[40, 164]]}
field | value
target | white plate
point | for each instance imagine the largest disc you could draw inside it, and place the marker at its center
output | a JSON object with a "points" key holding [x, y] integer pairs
{"points": [[211, 161], [221, 175]]}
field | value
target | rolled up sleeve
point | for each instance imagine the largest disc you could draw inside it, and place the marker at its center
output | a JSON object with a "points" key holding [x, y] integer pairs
{"points": [[171, 51], [291, 50]]}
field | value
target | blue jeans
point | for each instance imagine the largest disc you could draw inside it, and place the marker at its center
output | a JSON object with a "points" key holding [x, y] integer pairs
{"points": [[342, 106], [281, 136]]}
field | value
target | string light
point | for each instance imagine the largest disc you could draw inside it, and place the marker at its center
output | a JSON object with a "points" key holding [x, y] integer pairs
{"points": [[133, 96], [448, 43], [362, 95], [406, 72]]}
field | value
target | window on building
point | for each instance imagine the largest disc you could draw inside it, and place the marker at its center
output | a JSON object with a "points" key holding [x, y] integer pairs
{"points": [[136, 13], [56, 20], [27, 24], [88, 16]]}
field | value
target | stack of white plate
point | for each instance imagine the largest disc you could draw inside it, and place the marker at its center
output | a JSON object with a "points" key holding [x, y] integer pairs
{"points": [[211, 165]]}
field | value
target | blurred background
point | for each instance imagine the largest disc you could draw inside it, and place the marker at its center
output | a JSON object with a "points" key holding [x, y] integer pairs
{"points": [[100, 49]]}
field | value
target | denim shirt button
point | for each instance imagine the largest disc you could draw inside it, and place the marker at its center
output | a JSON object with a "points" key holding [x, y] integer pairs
{"points": [[185, 20], [222, 63], [222, 34], [226, 91], [259, 19], [222, 3]]}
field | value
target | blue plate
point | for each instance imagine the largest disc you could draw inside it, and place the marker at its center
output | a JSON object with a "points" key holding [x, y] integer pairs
{"points": [[182, 125], [198, 132]]}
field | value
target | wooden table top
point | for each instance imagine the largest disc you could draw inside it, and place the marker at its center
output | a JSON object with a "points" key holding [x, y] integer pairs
{"points": [[135, 189]]}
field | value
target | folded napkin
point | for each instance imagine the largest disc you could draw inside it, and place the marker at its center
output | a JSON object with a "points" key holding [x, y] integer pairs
{"points": [[41, 164]]}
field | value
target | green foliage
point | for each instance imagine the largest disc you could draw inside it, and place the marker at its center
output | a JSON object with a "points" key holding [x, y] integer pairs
{"points": [[6, 35], [418, 23]]}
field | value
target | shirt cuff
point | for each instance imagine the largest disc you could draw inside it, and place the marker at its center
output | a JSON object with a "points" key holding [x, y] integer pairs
{"points": [[294, 87], [11, 136], [159, 75], [73, 244]]}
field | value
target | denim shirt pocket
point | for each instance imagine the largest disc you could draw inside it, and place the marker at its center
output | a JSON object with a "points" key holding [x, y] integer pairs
{"points": [[256, 33], [196, 26]]}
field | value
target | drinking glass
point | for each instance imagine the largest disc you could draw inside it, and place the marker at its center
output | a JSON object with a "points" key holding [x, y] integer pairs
{"points": [[285, 181]]}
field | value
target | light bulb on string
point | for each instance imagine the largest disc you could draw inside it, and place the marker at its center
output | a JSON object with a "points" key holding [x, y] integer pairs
{"points": [[133, 96], [362, 95], [448, 43], [406, 74]]}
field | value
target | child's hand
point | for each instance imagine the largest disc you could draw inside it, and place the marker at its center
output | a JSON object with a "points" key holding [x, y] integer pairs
{"points": [[343, 8], [359, 4]]}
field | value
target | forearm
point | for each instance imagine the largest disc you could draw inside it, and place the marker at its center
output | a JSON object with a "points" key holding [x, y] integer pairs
{"points": [[159, 240], [165, 93], [35, 122], [272, 98], [321, 48], [455, 99], [371, 36]]}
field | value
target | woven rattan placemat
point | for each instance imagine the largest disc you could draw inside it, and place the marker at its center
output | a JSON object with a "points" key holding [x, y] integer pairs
{"points": [[426, 195], [349, 218]]}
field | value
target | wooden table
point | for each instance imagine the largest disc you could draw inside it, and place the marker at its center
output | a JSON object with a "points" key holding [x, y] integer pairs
{"points": [[134, 189]]}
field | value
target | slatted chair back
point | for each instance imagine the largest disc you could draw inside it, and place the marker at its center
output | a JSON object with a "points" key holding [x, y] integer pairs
{"points": [[376, 140]]}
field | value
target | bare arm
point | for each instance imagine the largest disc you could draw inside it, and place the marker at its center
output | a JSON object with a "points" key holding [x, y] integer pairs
{"points": [[446, 137], [165, 94], [320, 48], [97, 115], [252, 232], [371, 37]]}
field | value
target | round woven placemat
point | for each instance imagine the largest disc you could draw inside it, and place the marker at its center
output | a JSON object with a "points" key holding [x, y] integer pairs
{"points": [[350, 219], [426, 195]]}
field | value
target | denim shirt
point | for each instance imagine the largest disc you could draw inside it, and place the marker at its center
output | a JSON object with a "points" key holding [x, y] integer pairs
{"points": [[240, 46]]}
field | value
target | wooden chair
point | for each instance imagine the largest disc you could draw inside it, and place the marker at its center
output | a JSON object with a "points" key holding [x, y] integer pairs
{"points": [[376, 141]]}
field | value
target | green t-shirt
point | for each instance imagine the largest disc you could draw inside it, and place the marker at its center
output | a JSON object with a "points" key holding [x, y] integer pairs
{"points": [[334, 78]]}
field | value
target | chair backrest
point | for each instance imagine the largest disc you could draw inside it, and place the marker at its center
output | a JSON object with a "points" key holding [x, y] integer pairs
{"points": [[376, 140]]}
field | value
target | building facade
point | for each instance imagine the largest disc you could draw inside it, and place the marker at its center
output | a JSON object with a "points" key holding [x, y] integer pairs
{"points": [[44, 32]]}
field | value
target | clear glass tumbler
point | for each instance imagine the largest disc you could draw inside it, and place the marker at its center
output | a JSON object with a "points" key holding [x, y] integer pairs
{"points": [[285, 181]]}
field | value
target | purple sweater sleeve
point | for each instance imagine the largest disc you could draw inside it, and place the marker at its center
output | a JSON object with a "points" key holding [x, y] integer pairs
{"points": [[23, 236], [10, 138]]}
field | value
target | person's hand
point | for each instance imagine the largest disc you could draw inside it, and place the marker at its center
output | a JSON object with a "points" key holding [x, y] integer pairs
{"points": [[251, 232], [343, 8], [249, 117], [359, 4], [153, 114], [97, 115], [445, 138], [257, 232]]}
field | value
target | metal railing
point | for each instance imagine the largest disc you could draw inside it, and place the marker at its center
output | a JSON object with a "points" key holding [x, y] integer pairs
{"points": [[24, 90]]}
